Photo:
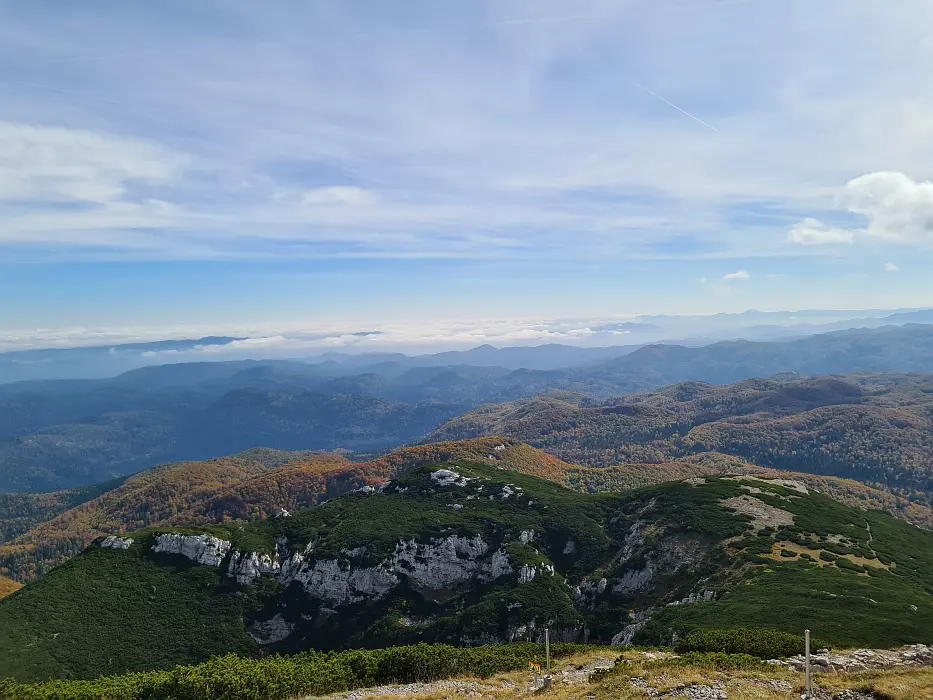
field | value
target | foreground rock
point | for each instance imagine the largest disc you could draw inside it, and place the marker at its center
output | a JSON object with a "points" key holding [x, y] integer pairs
{"points": [[861, 659]]}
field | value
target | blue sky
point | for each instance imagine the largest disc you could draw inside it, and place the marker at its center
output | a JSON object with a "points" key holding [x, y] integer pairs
{"points": [[210, 164]]}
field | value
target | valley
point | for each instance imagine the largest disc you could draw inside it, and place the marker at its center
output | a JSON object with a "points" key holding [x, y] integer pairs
{"points": [[64, 434]]}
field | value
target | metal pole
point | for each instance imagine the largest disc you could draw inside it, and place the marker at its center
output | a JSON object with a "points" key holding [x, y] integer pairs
{"points": [[547, 649], [806, 637]]}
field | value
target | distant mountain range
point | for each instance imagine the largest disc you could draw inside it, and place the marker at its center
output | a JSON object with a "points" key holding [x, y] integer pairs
{"points": [[70, 433], [600, 342]]}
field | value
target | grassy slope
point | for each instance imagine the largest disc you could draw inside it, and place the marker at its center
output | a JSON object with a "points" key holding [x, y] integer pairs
{"points": [[884, 602], [249, 486], [112, 601], [117, 609]]}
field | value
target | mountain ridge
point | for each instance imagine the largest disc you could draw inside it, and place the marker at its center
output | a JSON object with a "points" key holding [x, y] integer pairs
{"points": [[256, 484], [470, 553]]}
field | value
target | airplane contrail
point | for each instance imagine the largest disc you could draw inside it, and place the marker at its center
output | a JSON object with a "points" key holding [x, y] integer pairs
{"points": [[668, 102]]}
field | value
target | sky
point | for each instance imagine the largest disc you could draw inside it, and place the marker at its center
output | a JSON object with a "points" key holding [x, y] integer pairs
{"points": [[220, 164]]}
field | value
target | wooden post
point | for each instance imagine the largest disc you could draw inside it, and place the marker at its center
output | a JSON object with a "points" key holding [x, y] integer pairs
{"points": [[547, 649], [806, 637]]}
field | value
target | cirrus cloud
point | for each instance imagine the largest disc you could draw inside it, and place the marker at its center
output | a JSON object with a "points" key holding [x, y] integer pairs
{"points": [[814, 232]]}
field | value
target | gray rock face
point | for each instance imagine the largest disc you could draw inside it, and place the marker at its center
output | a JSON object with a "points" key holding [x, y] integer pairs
{"points": [[114, 542], [246, 567], [586, 593], [440, 565], [701, 597], [336, 583], [641, 617], [446, 563], [670, 554], [271, 631], [634, 580], [203, 549], [527, 573]]}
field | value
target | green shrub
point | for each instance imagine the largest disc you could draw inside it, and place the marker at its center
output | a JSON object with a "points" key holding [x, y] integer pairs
{"points": [[828, 556], [762, 643], [788, 553], [232, 677], [844, 563]]}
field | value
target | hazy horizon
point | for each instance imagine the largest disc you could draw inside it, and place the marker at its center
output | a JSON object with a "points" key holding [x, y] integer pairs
{"points": [[298, 340]]}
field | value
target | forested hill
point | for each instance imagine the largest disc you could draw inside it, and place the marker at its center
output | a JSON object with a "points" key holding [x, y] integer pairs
{"points": [[65, 434], [873, 428], [43, 530], [471, 553]]}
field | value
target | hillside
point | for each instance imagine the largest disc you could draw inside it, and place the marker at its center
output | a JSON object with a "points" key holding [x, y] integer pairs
{"points": [[255, 484], [871, 428], [471, 553], [57, 435], [251, 486]]}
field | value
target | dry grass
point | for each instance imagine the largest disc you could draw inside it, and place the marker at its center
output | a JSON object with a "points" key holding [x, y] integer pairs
{"points": [[799, 549], [7, 587], [769, 684]]}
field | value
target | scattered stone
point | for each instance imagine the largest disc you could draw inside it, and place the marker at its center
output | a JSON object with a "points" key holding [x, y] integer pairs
{"points": [[643, 685], [446, 477], [861, 659], [114, 542], [697, 692], [852, 695], [468, 688], [762, 514]]}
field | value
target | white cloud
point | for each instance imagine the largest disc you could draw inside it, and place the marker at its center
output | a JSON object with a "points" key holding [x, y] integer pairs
{"points": [[814, 232], [52, 164], [898, 208], [891, 267], [495, 123], [339, 196], [738, 275], [270, 342], [702, 280]]}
